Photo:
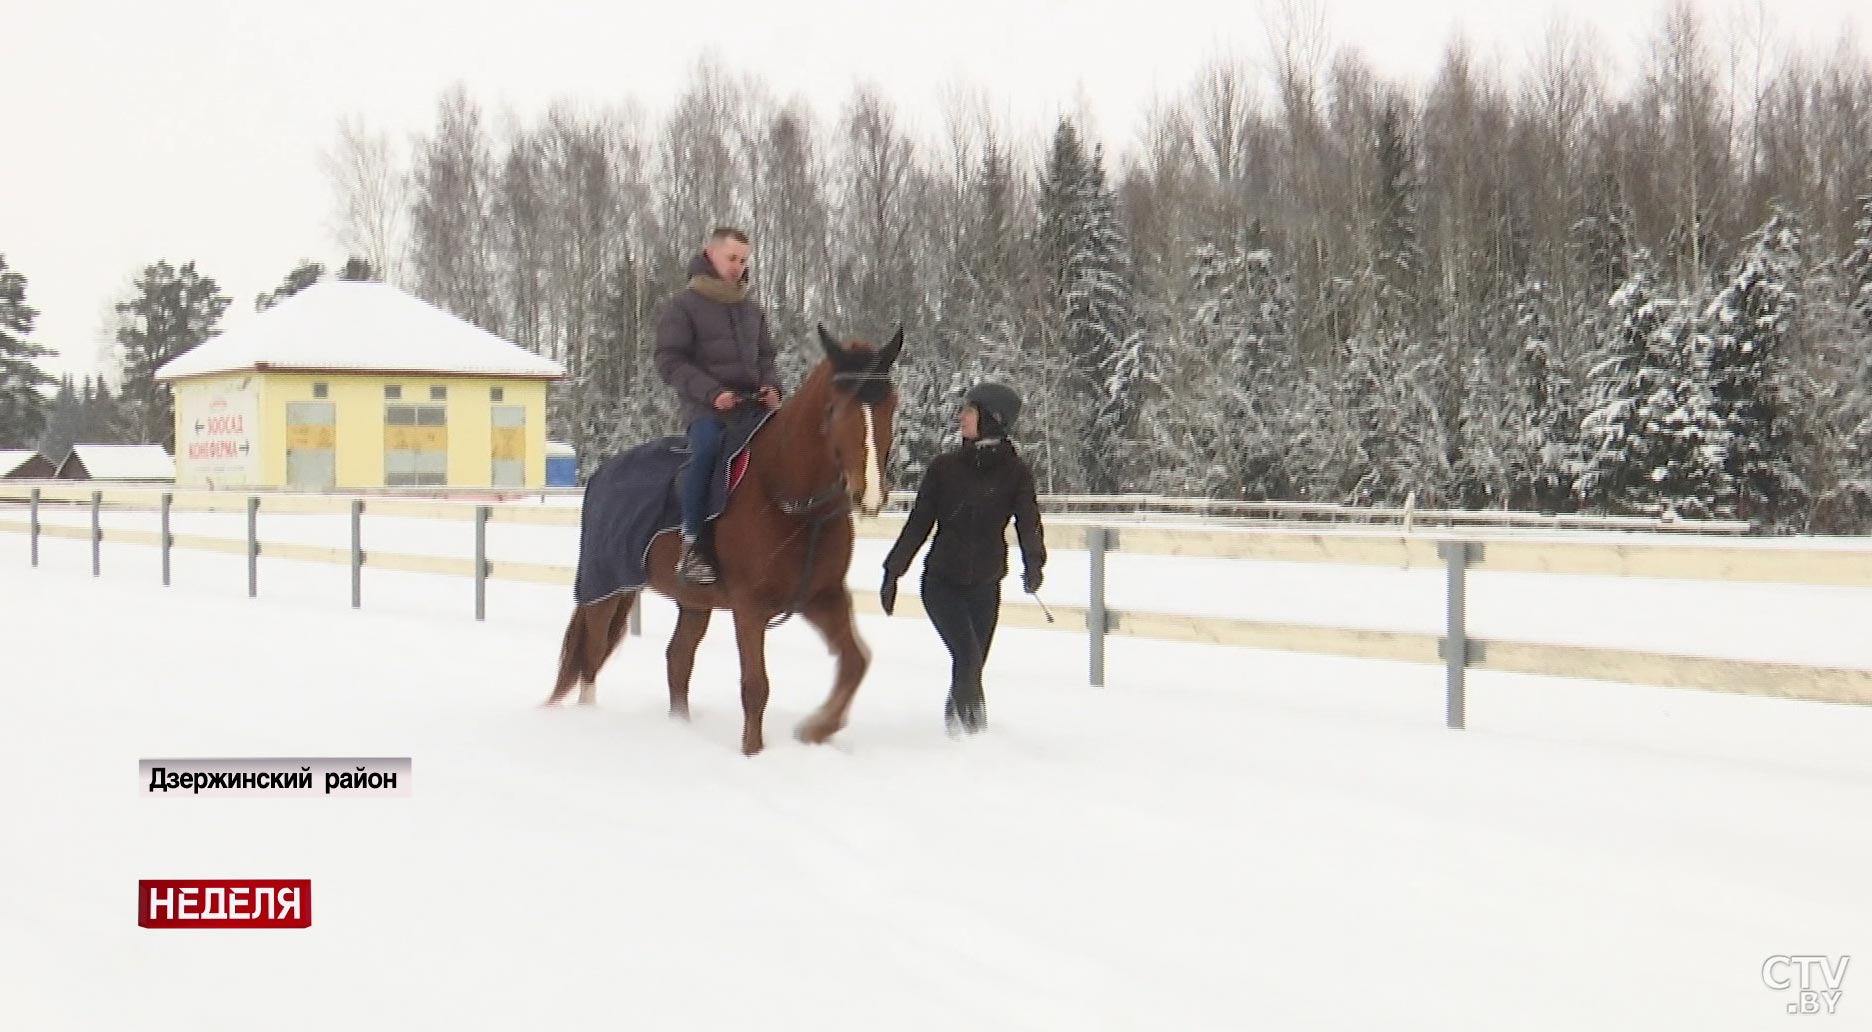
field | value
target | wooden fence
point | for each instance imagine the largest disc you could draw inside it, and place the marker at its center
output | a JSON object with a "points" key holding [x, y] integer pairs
{"points": [[1457, 553]]}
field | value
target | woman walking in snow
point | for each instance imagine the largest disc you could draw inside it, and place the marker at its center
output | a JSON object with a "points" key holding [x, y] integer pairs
{"points": [[968, 494]]}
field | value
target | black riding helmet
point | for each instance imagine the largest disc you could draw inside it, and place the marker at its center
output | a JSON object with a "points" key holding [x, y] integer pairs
{"points": [[998, 405]]}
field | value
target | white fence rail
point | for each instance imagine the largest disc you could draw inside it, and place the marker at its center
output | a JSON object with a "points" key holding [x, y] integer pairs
{"points": [[1132, 507], [1458, 551]]}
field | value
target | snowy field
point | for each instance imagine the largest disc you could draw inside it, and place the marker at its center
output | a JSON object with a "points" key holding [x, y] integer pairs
{"points": [[1218, 839]]}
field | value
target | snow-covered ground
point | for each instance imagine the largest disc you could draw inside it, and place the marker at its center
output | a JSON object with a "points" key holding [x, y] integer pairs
{"points": [[1218, 839]]}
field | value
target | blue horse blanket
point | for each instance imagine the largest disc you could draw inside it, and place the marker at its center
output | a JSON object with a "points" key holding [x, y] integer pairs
{"points": [[635, 495]]}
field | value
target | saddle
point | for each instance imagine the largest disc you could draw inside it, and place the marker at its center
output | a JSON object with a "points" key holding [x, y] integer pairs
{"points": [[731, 461]]}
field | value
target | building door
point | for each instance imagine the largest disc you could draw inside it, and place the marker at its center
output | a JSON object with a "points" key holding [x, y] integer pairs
{"points": [[509, 444], [415, 445], [311, 445]]}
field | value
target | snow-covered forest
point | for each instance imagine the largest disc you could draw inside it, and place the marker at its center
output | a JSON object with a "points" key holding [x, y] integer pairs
{"points": [[1561, 289]]}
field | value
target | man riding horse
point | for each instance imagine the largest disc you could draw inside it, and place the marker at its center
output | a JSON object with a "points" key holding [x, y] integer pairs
{"points": [[713, 347], [784, 539]]}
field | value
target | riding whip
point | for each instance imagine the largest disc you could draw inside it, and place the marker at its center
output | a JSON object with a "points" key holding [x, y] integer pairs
{"points": [[1043, 608]]}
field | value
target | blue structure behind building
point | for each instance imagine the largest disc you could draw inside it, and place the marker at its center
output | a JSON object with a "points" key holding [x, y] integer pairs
{"points": [[561, 465]]}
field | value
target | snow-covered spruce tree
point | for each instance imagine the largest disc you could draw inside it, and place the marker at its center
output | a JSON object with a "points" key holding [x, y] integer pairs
{"points": [[1836, 372], [980, 326], [1488, 436], [1235, 421], [1397, 421], [1858, 263], [1756, 401], [1404, 386], [1541, 416], [1652, 443], [1398, 263], [1092, 310], [1601, 241]]}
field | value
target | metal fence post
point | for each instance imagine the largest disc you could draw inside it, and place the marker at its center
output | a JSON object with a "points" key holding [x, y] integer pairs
{"points": [[357, 553], [34, 535], [1096, 621], [167, 540], [480, 562], [1456, 648], [253, 546], [97, 534]]}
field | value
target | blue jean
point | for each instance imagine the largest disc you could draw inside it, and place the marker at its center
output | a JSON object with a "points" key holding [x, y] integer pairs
{"points": [[705, 440]]}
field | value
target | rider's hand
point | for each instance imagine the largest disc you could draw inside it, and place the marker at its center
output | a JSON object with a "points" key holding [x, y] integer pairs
{"points": [[770, 397], [724, 401]]}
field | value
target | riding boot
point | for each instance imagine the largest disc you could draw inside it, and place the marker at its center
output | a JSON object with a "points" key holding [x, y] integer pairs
{"points": [[693, 567]]}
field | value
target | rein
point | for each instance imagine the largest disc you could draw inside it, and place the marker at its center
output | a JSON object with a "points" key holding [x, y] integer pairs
{"points": [[802, 509]]}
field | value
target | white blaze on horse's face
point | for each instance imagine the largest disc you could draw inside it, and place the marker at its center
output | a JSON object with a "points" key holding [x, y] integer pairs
{"points": [[873, 501]]}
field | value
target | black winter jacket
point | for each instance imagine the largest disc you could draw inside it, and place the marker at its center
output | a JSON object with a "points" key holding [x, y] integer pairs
{"points": [[710, 338], [969, 494]]}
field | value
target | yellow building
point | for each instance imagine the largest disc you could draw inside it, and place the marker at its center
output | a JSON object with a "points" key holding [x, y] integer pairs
{"points": [[349, 385]]}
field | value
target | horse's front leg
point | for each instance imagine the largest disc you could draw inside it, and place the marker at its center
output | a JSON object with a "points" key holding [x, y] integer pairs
{"points": [[831, 613], [751, 637]]}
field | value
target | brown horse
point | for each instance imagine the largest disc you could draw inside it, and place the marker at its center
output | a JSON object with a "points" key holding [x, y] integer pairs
{"points": [[783, 544]]}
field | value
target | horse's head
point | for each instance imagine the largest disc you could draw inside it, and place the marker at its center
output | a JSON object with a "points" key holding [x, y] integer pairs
{"points": [[859, 414]]}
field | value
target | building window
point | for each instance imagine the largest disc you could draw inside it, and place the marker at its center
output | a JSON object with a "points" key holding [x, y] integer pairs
{"points": [[321, 390], [497, 394], [392, 391], [438, 394]]}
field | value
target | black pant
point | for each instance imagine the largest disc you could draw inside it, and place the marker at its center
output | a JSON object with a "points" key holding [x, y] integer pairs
{"points": [[965, 616]]}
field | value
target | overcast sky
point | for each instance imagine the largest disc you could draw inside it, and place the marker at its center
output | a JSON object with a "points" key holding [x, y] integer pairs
{"points": [[192, 129]]}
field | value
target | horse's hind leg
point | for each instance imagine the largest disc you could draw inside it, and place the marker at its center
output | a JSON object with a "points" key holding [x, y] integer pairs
{"points": [[831, 613], [691, 625]]}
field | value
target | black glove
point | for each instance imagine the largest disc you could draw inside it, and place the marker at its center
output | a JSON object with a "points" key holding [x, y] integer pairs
{"points": [[887, 595], [1030, 581]]}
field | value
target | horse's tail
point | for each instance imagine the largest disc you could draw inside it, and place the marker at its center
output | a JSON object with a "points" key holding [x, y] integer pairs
{"points": [[591, 634], [570, 673]]}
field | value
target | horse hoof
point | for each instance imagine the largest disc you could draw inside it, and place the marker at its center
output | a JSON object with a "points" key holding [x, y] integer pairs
{"points": [[814, 732], [750, 748]]}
